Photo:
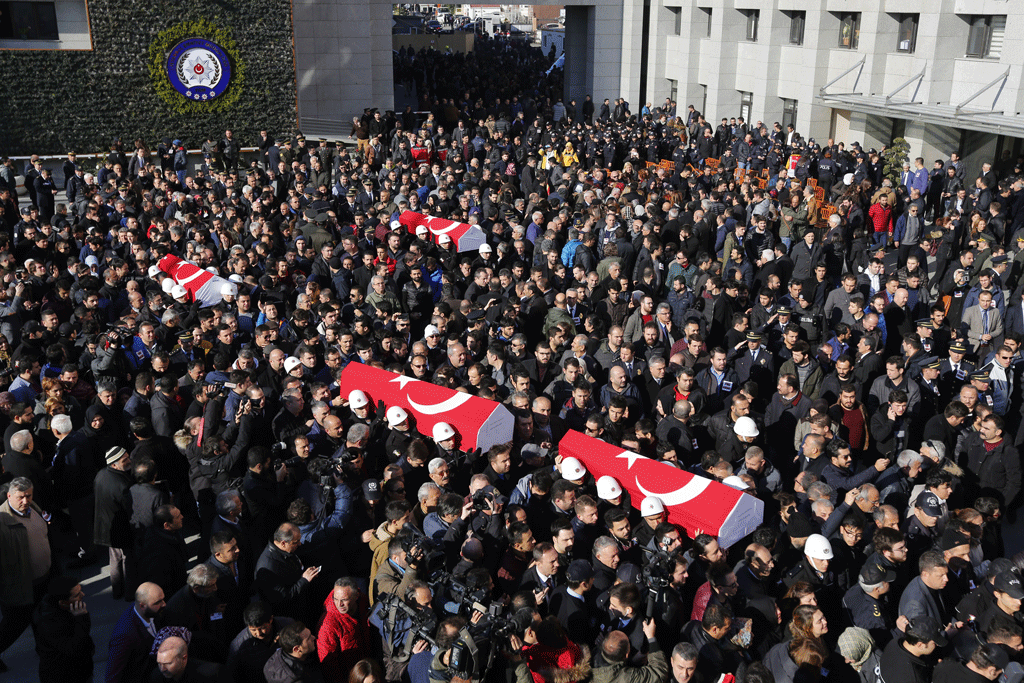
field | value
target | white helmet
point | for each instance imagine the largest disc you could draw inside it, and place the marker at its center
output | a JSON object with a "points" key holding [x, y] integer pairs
{"points": [[167, 285], [290, 363], [228, 289], [177, 291], [608, 488], [442, 431], [236, 278], [573, 469], [357, 399], [817, 547], [154, 271], [651, 505], [396, 416], [745, 427], [211, 269], [735, 482]]}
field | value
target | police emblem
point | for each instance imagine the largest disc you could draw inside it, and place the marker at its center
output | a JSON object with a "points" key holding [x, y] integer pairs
{"points": [[199, 69]]}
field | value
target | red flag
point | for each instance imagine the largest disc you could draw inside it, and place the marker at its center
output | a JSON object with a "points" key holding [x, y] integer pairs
{"points": [[691, 501], [478, 422], [464, 236], [203, 285]]}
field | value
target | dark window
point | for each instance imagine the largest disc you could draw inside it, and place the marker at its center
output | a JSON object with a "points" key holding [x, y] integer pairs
{"points": [[746, 102], [707, 13], [985, 35], [753, 16], [907, 37], [677, 20], [849, 30], [28, 21], [789, 111], [796, 27]]}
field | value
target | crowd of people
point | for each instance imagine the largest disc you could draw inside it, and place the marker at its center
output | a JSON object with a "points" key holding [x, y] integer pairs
{"points": [[671, 288]]}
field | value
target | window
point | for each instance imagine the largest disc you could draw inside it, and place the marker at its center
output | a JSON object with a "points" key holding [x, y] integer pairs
{"points": [[746, 102], [673, 89], [849, 30], [28, 21], [677, 20], [907, 36], [796, 27], [789, 113], [707, 13], [753, 16], [985, 35]]}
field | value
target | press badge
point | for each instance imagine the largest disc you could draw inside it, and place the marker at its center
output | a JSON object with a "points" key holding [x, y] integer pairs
{"points": [[960, 374], [726, 386]]}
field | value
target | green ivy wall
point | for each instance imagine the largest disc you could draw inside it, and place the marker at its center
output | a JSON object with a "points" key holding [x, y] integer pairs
{"points": [[55, 101]]}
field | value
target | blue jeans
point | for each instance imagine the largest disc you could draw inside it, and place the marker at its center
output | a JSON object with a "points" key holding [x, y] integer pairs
{"points": [[879, 239]]}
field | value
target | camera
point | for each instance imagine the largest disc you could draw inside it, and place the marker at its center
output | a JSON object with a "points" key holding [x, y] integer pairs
{"points": [[656, 576], [482, 501]]}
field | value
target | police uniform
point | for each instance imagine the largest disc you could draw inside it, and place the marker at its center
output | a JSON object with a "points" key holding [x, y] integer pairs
{"points": [[985, 397], [952, 375], [933, 401], [873, 614]]}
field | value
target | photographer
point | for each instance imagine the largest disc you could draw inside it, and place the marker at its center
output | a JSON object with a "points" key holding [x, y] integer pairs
{"points": [[395, 575], [546, 652], [403, 619], [265, 492]]}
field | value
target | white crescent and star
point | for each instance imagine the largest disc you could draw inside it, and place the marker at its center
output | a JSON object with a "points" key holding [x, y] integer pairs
{"points": [[447, 405], [685, 494]]}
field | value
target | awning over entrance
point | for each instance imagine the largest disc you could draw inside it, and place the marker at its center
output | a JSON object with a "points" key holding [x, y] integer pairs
{"points": [[962, 115]]}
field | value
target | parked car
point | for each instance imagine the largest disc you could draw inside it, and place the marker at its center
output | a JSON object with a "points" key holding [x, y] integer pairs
{"points": [[433, 26]]}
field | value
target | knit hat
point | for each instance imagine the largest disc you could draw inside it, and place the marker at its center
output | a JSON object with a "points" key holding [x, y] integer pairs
{"points": [[855, 644]]}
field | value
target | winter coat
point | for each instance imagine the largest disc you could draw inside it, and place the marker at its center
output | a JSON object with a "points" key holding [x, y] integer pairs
{"points": [[15, 567], [341, 642], [541, 664], [113, 511]]}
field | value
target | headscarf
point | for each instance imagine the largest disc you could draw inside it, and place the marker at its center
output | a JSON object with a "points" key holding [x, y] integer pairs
{"points": [[856, 644]]}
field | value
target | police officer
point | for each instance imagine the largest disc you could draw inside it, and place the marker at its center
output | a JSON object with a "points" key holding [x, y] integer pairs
{"points": [[867, 604], [921, 529], [954, 371], [932, 398], [981, 381]]}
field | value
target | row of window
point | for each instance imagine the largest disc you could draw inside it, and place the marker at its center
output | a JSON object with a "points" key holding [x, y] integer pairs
{"points": [[28, 21], [984, 38]]}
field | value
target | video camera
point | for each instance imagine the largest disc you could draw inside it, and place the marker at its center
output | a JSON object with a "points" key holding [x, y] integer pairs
{"points": [[424, 623], [422, 550], [656, 576]]}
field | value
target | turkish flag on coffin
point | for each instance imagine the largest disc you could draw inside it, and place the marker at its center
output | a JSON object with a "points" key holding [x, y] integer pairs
{"points": [[464, 236], [478, 422], [691, 501], [202, 285]]}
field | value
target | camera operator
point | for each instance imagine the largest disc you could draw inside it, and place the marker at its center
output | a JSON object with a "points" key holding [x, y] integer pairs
{"points": [[400, 569], [402, 620], [421, 662], [211, 464]]}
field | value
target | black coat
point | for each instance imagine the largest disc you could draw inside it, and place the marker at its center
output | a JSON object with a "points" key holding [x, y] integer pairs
{"points": [[279, 581], [63, 644], [113, 511], [164, 560]]}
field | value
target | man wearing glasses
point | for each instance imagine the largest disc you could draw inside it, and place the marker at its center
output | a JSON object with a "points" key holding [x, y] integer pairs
{"points": [[1001, 379]]}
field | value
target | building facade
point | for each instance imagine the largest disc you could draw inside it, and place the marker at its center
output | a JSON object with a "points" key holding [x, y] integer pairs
{"points": [[944, 74]]}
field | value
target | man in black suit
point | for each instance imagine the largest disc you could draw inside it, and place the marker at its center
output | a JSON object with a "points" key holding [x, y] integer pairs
{"points": [[542, 574], [569, 605], [132, 639], [232, 583]]}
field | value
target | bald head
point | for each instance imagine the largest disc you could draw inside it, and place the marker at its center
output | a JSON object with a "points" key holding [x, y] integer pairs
{"points": [[172, 657], [559, 300], [615, 647]]}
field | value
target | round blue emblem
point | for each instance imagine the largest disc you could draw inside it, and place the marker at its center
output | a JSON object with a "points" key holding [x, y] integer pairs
{"points": [[199, 69]]}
